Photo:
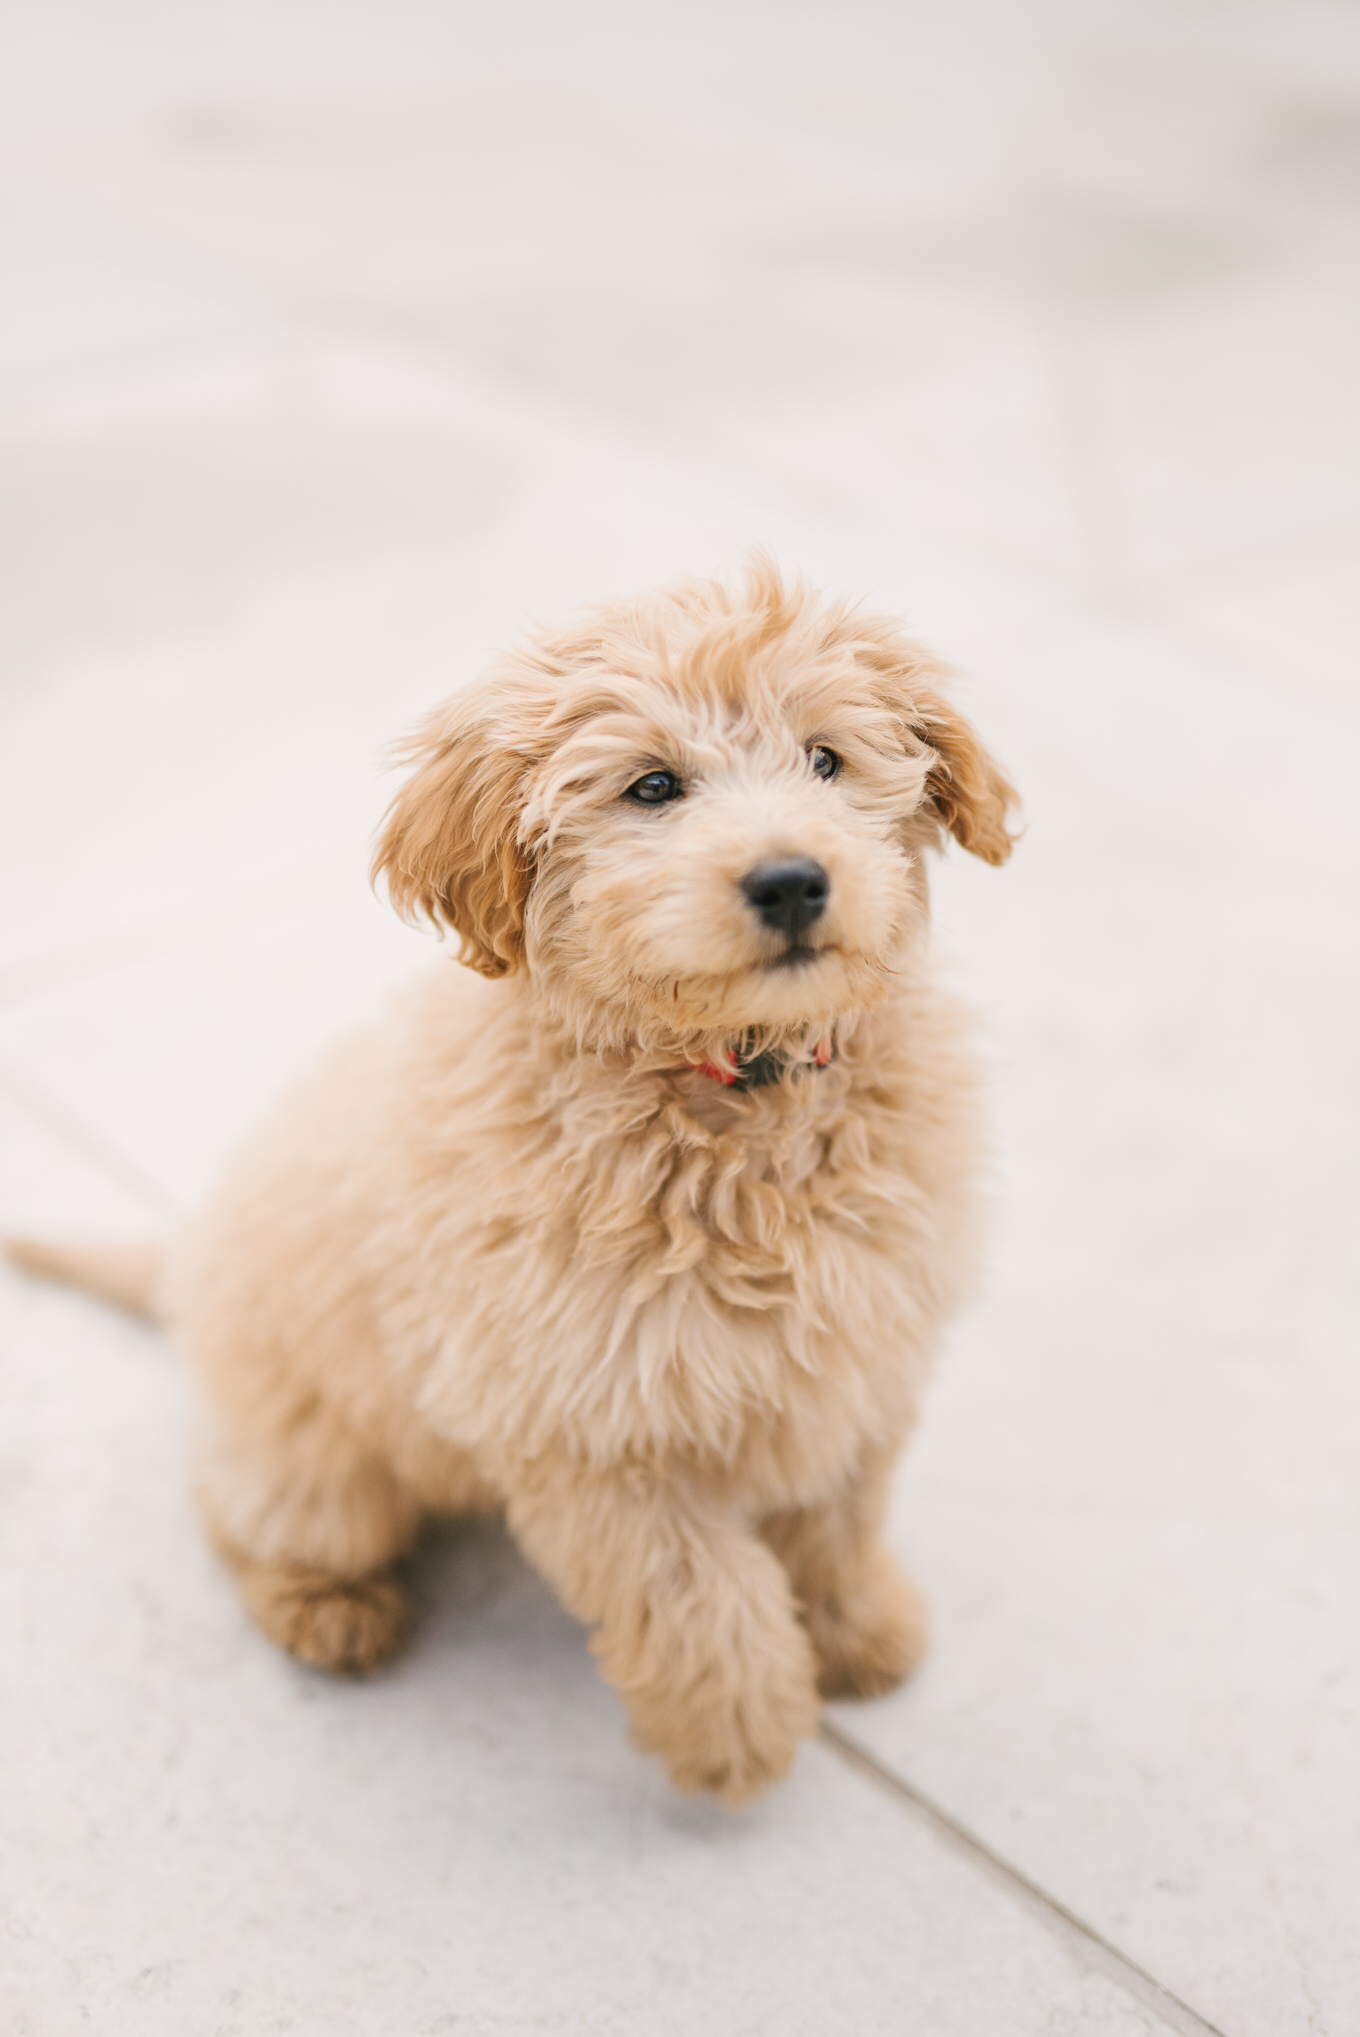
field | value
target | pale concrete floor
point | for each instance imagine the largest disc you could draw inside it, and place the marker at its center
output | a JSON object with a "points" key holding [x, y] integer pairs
{"points": [[338, 338]]}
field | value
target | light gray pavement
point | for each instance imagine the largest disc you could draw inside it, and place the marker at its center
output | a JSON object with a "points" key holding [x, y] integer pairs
{"points": [[335, 341]]}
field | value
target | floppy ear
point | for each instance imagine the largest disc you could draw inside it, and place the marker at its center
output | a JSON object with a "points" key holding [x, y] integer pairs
{"points": [[970, 793], [450, 845]]}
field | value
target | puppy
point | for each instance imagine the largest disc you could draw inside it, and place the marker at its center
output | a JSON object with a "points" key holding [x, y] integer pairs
{"points": [[641, 1226]]}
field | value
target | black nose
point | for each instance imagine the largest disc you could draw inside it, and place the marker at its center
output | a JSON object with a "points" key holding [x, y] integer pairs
{"points": [[788, 896]]}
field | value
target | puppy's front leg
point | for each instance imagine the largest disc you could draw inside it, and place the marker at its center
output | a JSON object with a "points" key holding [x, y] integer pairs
{"points": [[696, 1624], [866, 1619]]}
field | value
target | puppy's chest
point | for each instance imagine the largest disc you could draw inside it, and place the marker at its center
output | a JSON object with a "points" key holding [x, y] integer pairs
{"points": [[769, 1204], [742, 1295]]}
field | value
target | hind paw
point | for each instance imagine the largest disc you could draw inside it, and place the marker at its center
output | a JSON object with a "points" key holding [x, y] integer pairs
{"points": [[345, 1624]]}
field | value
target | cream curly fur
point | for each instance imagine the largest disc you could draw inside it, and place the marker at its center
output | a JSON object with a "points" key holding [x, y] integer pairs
{"points": [[512, 1248]]}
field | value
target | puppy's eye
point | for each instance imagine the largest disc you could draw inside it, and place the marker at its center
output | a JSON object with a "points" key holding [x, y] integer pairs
{"points": [[825, 763], [655, 789]]}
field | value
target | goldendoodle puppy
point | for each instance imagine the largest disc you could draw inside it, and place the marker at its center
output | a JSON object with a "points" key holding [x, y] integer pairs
{"points": [[641, 1226]]}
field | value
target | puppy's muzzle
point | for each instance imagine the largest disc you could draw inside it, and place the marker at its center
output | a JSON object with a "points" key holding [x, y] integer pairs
{"points": [[788, 896]]}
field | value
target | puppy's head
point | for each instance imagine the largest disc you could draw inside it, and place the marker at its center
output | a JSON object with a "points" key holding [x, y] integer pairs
{"points": [[698, 815]]}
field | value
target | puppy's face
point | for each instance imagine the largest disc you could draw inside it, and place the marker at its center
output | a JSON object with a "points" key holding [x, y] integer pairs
{"points": [[698, 819], [728, 863]]}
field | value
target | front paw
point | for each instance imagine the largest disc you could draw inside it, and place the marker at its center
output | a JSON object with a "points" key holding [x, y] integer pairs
{"points": [[871, 1636], [725, 1719]]}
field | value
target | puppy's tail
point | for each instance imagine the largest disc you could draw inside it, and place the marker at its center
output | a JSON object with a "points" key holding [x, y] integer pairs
{"points": [[127, 1274]]}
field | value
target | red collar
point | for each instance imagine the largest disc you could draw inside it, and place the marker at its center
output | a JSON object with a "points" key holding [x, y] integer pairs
{"points": [[744, 1070]]}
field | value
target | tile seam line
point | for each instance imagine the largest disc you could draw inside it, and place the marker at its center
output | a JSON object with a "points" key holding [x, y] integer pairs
{"points": [[92, 1147], [1065, 1924]]}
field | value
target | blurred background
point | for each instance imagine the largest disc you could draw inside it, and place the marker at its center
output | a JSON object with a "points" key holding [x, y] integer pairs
{"points": [[337, 342]]}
